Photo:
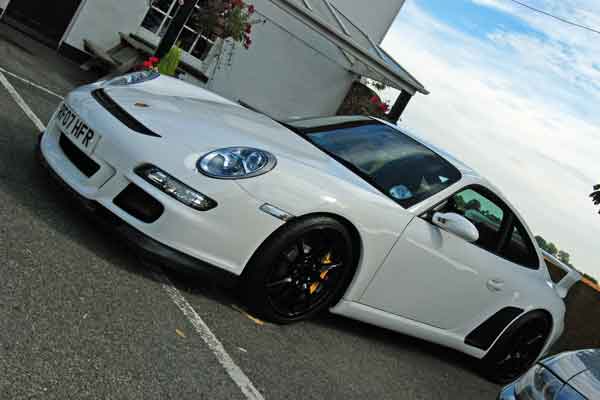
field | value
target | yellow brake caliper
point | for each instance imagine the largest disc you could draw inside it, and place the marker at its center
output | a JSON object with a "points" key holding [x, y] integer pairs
{"points": [[325, 261]]}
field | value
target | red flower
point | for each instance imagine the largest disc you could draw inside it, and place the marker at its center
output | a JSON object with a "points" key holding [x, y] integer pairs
{"points": [[248, 29], [375, 100], [154, 60], [384, 107], [148, 64], [237, 3], [251, 9]]}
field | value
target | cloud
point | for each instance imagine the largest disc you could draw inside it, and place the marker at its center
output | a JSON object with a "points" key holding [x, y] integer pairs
{"points": [[569, 51], [497, 4], [519, 107]]}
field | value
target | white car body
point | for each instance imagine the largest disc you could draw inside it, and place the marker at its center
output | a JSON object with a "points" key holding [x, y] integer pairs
{"points": [[436, 291]]}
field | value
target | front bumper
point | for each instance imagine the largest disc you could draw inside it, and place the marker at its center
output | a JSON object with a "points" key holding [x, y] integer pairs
{"points": [[148, 249], [225, 237]]}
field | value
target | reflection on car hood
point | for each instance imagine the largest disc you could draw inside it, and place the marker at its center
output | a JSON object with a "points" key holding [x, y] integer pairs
{"points": [[581, 369], [196, 121], [206, 124]]}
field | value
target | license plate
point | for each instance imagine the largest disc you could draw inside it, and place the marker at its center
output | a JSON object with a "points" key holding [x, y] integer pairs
{"points": [[74, 127]]}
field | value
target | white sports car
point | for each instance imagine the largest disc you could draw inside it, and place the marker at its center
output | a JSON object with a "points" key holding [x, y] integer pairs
{"points": [[349, 214]]}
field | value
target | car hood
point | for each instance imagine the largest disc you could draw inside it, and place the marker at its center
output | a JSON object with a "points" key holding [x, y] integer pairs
{"points": [[581, 369], [207, 122]]}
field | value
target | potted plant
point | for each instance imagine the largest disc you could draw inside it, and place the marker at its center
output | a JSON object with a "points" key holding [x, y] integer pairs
{"points": [[363, 100]]}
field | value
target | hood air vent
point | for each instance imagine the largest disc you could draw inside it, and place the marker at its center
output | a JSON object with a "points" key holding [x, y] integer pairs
{"points": [[118, 112]]}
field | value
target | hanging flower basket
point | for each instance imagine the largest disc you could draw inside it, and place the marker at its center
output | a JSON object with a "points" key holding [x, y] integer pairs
{"points": [[226, 19]]}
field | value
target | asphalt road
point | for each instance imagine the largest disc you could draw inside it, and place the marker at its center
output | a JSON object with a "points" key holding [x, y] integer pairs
{"points": [[80, 317]]}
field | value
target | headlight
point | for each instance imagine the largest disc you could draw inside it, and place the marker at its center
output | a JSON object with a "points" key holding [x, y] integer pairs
{"points": [[174, 188], [236, 163], [133, 78], [538, 384]]}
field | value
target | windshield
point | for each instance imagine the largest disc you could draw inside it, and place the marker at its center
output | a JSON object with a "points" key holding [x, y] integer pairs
{"points": [[399, 166]]}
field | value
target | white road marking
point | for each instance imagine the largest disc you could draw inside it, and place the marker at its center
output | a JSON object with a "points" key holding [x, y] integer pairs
{"points": [[19, 100], [213, 343], [35, 85], [235, 373]]}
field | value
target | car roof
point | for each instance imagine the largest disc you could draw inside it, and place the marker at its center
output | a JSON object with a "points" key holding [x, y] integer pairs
{"points": [[315, 122], [460, 165]]}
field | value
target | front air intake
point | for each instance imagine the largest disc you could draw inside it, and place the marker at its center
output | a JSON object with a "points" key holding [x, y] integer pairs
{"points": [[119, 113], [136, 202]]}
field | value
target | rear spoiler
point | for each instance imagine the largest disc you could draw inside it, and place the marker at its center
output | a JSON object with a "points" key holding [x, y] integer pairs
{"points": [[565, 284]]}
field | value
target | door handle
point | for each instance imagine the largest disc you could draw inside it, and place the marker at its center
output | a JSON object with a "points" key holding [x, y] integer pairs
{"points": [[495, 285]]}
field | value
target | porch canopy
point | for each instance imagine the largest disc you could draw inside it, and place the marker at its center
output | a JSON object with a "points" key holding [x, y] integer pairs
{"points": [[362, 55]]}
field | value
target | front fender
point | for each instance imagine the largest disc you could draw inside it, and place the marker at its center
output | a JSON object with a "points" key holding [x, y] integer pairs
{"points": [[300, 190]]}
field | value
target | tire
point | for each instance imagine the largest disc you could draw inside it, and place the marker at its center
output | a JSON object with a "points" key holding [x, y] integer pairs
{"points": [[300, 270], [518, 348]]}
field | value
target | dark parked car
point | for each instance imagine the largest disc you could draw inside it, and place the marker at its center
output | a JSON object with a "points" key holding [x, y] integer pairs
{"points": [[568, 376]]}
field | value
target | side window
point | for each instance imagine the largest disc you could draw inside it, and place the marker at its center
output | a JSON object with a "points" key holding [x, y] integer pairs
{"points": [[519, 248], [486, 214]]}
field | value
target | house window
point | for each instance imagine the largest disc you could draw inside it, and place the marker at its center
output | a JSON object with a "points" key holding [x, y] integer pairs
{"points": [[159, 17]]}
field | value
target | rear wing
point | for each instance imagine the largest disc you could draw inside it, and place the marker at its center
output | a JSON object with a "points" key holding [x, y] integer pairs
{"points": [[566, 283]]}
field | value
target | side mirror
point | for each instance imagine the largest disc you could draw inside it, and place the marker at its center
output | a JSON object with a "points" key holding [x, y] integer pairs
{"points": [[456, 224]]}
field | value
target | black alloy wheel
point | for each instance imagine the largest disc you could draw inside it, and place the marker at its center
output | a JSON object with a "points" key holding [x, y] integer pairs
{"points": [[306, 272], [517, 351], [300, 270]]}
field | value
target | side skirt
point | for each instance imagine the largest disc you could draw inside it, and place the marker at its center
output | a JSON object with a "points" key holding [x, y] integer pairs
{"points": [[406, 326]]}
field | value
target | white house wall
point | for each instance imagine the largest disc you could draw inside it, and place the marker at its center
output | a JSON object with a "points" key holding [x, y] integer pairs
{"points": [[285, 73], [375, 17], [102, 20], [289, 71]]}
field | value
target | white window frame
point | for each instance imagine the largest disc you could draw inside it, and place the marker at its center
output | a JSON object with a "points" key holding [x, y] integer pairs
{"points": [[166, 16]]}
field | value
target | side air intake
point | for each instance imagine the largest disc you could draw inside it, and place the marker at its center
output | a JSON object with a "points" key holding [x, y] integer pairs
{"points": [[485, 334]]}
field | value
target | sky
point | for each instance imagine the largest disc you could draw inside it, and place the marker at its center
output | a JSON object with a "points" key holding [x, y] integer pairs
{"points": [[516, 95]]}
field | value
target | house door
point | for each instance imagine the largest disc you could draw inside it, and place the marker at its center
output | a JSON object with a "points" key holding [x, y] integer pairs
{"points": [[46, 20]]}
